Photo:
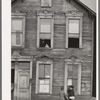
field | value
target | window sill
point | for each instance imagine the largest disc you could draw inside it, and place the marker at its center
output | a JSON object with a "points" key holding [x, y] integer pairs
{"points": [[17, 47], [43, 94], [45, 6], [74, 48], [40, 48]]}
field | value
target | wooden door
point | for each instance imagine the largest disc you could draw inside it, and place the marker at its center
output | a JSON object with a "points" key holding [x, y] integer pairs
{"points": [[23, 91]]}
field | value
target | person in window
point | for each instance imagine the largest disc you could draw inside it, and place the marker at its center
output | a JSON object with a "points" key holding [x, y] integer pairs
{"points": [[62, 94], [70, 92]]}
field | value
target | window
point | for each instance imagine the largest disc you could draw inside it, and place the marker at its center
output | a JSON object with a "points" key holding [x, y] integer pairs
{"points": [[45, 3], [74, 31], [12, 75], [73, 76], [17, 30], [45, 32], [44, 78]]}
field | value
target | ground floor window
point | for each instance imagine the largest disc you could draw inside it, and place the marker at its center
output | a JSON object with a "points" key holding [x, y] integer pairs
{"points": [[12, 75], [73, 76], [44, 77]]}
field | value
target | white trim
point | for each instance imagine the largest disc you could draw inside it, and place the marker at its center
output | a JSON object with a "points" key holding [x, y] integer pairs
{"points": [[79, 79], [67, 62], [15, 83], [47, 16], [36, 77], [37, 67], [65, 81]]}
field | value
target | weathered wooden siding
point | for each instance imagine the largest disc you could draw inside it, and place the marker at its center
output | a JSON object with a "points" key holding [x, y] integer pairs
{"points": [[30, 7]]}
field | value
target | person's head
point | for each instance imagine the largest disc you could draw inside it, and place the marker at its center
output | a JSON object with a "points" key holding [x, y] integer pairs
{"points": [[71, 87], [62, 88]]}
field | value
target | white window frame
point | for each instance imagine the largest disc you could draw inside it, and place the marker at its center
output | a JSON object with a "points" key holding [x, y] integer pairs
{"points": [[20, 16], [68, 62], [74, 16], [42, 5], [37, 75], [45, 16]]}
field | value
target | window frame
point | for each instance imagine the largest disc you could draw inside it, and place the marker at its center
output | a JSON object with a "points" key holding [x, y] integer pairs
{"points": [[44, 16], [22, 17], [74, 16], [77, 62], [37, 76]]}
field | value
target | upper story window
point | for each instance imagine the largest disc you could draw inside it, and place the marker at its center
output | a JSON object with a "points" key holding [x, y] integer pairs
{"points": [[45, 32], [74, 30], [45, 3], [17, 30]]}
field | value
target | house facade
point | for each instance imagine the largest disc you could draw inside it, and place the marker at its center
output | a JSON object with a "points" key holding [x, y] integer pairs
{"points": [[52, 47]]}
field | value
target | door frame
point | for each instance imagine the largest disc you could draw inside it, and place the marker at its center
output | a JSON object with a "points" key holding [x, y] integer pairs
{"points": [[18, 59]]}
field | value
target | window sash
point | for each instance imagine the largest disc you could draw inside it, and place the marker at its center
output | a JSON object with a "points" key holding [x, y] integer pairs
{"points": [[45, 25], [44, 70], [45, 36], [17, 25], [74, 25], [16, 39], [44, 85], [76, 35]]}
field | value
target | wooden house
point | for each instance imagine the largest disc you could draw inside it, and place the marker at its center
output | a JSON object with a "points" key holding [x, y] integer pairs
{"points": [[52, 47]]}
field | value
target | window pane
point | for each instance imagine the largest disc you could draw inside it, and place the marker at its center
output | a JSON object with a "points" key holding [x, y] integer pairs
{"points": [[70, 74], [16, 25], [45, 43], [47, 81], [69, 82], [13, 39], [75, 71], [44, 89], [42, 81], [45, 26], [70, 67], [47, 71], [41, 71], [12, 75], [75, 82], [73, 26], [16, 39], [73, 42]]}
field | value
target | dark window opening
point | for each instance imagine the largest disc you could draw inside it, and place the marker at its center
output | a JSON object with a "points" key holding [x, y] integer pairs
{"points": [[12, 75], [73, 42], [45, 43]]}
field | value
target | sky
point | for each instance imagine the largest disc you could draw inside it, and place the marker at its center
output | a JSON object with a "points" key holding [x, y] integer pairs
{"points": [[90, 3]]}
